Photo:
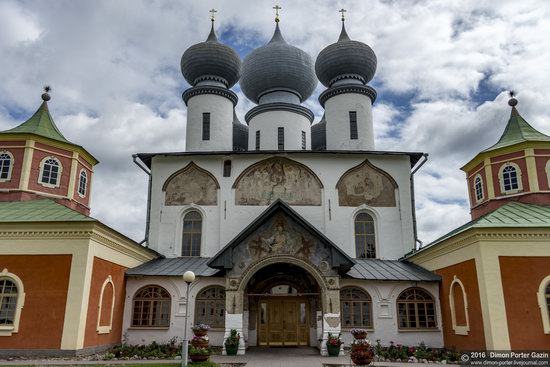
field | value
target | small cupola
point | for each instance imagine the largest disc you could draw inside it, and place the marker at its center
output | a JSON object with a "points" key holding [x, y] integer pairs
{"points": [[516, 168], [37, 161]]}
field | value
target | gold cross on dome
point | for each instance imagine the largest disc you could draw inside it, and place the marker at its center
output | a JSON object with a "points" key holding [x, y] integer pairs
{"points": [[277, 8], [343, 15], [213, 11]]}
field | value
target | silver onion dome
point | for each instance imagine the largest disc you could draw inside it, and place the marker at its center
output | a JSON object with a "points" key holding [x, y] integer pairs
{"points": [[278, 66], [345, 59], [211, 60]]}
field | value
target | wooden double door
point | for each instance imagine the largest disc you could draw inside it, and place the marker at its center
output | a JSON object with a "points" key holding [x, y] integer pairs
{"points": [[283, 321]]}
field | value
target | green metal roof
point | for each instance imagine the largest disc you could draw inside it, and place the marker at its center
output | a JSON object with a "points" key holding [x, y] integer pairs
{"points": [[42, 210], [518, 131], [41, 123], [511, 215]]}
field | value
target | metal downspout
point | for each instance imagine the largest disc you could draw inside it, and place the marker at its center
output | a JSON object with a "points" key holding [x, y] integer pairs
{"points": [[413, 203], [148, 220]]}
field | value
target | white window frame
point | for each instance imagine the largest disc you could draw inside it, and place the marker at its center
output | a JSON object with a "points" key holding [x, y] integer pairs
{"points": [[179, 228], [82, 171], [8, 330], [105, 329], [364, 209], [478, 176], [10, 168], [58, 181], [501, 178], [541, 297], [547, 169], [459, 329]]}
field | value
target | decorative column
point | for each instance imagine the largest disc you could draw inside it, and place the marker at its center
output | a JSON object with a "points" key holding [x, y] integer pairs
{"points": [[331, 313], [234, 314]]}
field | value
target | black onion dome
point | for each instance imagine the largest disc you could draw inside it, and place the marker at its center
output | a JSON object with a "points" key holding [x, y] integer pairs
{"points": [[345, 59], [211, 60], [278, 66]]}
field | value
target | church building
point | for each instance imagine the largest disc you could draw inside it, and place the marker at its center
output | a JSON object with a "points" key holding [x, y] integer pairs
{"points": [[294, 231], [62, 272], [495, 270]]}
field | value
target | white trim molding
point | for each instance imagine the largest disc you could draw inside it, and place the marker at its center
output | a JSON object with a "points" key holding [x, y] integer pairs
{"points": [[105, 329], [82, 171], [480, 199], [376, 220], [41, 172], [10, 167], [8, 330], [544, 311], [547, 169], [459, 329], [518, 176]]}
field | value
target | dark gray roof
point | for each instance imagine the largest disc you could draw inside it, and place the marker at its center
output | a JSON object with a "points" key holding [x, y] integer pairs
{"points": [[375, 269], [211, 60], [278, 66], [146, 158], [240, 134], [319, 135], [345, 59], [174, 267]]}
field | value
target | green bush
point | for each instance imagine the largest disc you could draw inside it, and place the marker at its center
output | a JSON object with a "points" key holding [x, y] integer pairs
{"points": [[153, 350], [420, 352]]}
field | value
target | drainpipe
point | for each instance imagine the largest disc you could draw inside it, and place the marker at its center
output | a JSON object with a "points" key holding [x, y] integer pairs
{"points": [[148, 220], [413, 203]]}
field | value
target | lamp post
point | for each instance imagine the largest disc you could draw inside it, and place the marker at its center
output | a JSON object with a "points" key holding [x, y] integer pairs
{"points": [[188, 278]]}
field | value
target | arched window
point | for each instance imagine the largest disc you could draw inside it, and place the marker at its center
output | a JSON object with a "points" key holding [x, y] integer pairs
{"points": [[12, 299], [355, 308], [50, 172], [544, 303], [478, 188], [151, 307], [6, 162], [8, 302], [458, 302], [192, 234], [416, 309], [210, 307], [82, 183], [365, 240], [106, 307], [510, 177]]}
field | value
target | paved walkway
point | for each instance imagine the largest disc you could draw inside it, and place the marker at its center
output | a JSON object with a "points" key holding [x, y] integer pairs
{"points": [[282, 357]]}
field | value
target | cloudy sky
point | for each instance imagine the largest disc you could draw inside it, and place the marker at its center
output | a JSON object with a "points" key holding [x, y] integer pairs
{"points": [[443, 69]]}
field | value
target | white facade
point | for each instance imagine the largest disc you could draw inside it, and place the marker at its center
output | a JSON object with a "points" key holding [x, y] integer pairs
{"points": [[268, 124], [383, 294], [220, 120], [222, 222], [337, 111]]}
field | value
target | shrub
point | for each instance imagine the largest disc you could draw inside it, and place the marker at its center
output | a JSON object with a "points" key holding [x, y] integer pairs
{"points": [[233, 338], [334, 340]]}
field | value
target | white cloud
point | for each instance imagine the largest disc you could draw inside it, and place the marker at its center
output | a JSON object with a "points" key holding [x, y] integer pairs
{"points": [[114, 67]]}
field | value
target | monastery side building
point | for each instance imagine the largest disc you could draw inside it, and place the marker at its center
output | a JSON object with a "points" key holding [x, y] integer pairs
{"points": [[495, 289], [62, 272], [294, 231]]}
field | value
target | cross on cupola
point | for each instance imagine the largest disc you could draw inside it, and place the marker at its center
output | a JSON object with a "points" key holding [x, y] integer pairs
{"points": [[343, 11], [213, 14], [277, 8]]}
